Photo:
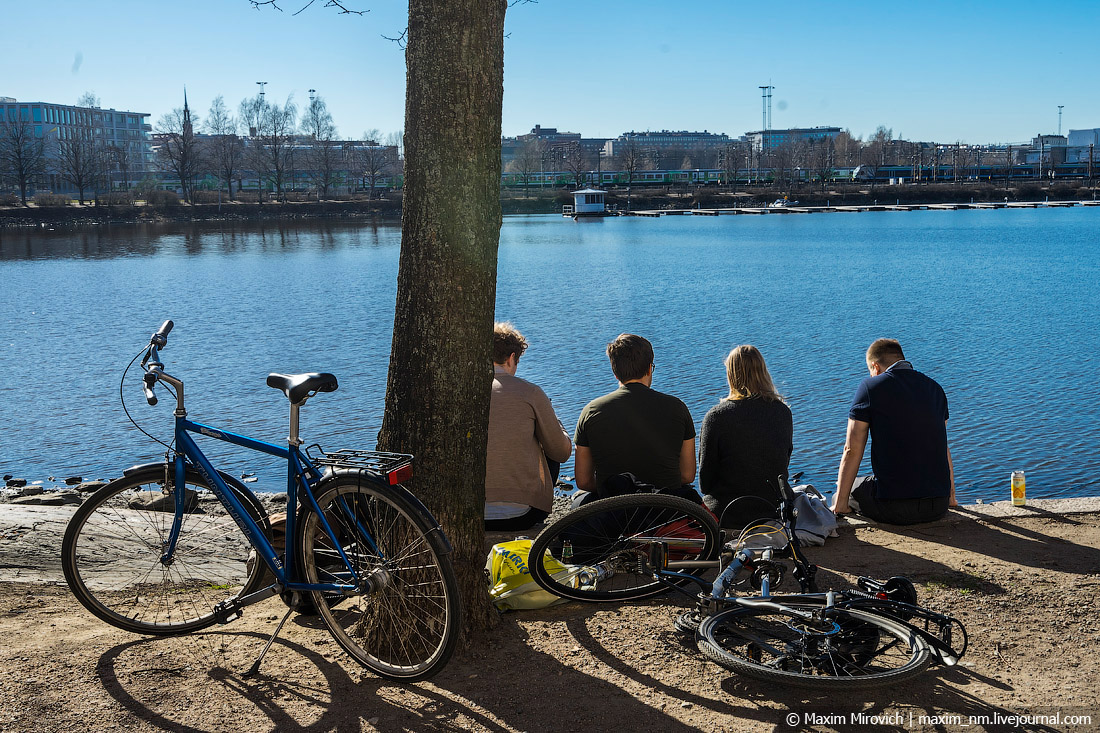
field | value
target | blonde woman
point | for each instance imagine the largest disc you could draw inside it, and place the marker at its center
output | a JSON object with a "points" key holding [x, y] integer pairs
{"points": [[747, 438]]}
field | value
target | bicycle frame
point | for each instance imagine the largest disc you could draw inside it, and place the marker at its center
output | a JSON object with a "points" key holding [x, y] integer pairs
{"points": [[301, 475]]}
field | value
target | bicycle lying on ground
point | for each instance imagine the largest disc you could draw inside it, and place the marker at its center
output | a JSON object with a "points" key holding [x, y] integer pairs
{"points": [[639, 545], [361, 550]]}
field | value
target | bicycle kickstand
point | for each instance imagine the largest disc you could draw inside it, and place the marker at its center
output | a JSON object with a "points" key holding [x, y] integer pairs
{"points": [[255, 668]]}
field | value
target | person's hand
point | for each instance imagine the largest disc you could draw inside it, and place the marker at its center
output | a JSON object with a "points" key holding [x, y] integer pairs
{"points": [[839, 508]]}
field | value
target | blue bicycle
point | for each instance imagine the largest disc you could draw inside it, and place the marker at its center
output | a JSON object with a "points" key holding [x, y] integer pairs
{"points": [[147, 553]]}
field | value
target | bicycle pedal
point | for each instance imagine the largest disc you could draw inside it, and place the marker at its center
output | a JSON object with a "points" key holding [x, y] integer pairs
{"points": [[225, 613]]}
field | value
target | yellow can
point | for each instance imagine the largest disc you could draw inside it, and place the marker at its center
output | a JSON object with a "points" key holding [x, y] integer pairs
{"points": [[1018, 488]]}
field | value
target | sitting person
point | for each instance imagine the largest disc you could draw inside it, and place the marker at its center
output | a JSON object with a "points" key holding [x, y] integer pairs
{"points": [[905, 414], [524, 437], [747, 438], [634, 429]]}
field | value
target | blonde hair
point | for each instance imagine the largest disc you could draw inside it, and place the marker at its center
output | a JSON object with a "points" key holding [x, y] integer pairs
{"points": [[748, 375]]}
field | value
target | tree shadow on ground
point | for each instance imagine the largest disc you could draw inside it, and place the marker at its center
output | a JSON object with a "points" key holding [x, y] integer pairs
{"points": [[994, 537]]}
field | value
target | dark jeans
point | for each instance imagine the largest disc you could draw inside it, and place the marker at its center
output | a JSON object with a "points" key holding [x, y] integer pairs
{"points": [[524, 521], [865, 501]]}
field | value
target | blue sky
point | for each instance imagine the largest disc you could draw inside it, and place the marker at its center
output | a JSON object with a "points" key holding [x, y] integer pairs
{"points": [[979, 71]]}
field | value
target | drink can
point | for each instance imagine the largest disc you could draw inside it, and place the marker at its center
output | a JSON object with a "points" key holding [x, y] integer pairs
{"points": [[1018, 488]]}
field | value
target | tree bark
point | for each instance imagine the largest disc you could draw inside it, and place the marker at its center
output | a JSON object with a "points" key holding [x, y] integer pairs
{"points": [[440, 374]]}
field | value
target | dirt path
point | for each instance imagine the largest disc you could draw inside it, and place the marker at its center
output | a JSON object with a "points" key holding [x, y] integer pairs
{"points": [[1027, 588]]}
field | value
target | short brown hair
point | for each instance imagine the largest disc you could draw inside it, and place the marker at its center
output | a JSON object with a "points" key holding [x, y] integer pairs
{"points": [[748, 375], [631, 356], [884, 352], [507, 341]]}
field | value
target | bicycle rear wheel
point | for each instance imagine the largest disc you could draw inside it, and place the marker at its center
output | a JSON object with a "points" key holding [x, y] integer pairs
{"points": [[405, 622], [111, 555], [605, 545], [841, 650]]}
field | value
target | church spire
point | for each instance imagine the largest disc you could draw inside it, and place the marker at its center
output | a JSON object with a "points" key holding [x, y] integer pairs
{"points": [[186, 115]]}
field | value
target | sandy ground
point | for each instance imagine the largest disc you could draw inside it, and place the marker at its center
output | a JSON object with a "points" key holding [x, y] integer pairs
{"points": [[1026, 584]]}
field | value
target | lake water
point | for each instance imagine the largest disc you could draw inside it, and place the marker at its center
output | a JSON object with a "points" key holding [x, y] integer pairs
{"points": [[1001, 307]]}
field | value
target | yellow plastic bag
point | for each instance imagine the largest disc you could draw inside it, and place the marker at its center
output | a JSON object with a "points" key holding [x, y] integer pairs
{"points": [[510, 583]]}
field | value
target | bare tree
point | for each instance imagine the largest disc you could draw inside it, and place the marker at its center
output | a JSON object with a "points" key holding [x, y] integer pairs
{"points": [[88, 99], [631, 159], [118, 159], [324, 152], [395, 148], [224, 149], [963, 161], [847, 149], [371, 160], [528, 160], [730, 159], [252, 112], [576, 162], [874, 152], [276, 143], [22, 155], [180, 150], [80, 161], [820, 161]]}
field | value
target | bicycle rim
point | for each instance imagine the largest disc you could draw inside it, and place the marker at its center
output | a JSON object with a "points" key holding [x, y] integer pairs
{"points": [[407, 626], [848, 650], [604, 546], [111, 556]]}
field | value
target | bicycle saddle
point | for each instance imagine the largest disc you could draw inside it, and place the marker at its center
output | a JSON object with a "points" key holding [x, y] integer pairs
{"points": [[299, 387]]}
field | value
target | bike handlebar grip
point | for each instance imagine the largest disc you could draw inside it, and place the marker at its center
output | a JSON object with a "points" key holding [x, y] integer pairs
{"points": [[160, 338], [147, 386]]}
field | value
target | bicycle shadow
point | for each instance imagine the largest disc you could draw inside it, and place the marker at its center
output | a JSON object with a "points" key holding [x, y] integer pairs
{"points": [[334, 699], [913, 705]]}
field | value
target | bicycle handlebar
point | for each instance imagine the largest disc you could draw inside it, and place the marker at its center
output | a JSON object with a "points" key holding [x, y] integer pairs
{"points": [[160, 338], [151, 363]]}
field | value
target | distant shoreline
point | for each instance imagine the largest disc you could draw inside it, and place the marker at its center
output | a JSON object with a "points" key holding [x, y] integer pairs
{"points": [[550, 201]]}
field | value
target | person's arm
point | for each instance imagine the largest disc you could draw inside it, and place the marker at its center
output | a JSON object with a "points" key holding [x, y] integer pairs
{"points": [[548, 429], [951, 472], [708, 454], [585, 469], [855, 442], [687, 461]]}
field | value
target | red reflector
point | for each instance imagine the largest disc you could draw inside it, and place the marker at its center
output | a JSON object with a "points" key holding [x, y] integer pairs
{"points": [[880, 596], [400, 475]]}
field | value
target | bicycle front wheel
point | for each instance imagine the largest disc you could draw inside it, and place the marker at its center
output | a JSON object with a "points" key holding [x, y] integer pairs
{"points": [[403, 622], [604, 546], [838, 650], [111, 555]]}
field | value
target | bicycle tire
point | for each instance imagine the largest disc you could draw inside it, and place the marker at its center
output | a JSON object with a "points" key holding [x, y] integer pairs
{"points": [[407, 628], [615, 535], [771, 646], [112, 547]]}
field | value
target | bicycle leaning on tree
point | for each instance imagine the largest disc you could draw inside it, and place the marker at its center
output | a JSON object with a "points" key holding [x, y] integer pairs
{"points": [[361, 550], [640, 545]]}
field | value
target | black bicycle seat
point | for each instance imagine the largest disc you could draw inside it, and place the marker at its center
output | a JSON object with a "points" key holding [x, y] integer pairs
{"points": [[298, 387]]}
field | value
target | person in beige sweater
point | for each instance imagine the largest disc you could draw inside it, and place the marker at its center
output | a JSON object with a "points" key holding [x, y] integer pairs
{"points": [[524, 434]]}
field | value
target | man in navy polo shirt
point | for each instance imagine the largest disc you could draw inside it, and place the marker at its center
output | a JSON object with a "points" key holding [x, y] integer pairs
{"points": [[905, 414]]}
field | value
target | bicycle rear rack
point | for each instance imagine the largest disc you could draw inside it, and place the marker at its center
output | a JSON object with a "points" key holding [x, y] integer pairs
{"points": [[380, 463]]}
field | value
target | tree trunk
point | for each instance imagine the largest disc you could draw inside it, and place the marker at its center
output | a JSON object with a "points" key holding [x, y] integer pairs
{"points": [[440, 374]]}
